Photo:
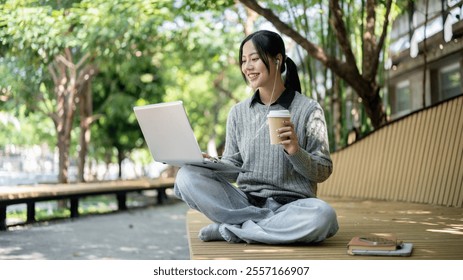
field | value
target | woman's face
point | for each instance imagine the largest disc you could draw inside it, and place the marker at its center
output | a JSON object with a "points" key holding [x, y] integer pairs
{"points": [[254, 68]]}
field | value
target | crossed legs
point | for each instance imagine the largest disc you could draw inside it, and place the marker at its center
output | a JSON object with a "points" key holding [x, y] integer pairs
{"points": [[236, 220]]}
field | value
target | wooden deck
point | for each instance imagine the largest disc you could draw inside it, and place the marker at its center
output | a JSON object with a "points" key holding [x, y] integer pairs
{"points": [[405, 178], [435, 231]]}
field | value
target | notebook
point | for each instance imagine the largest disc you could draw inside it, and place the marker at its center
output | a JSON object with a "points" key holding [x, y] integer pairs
{"points": [[404, 250], [170, 138]]}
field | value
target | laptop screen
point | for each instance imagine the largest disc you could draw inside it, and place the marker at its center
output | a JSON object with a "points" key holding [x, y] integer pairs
{"points": [[168, 133]]}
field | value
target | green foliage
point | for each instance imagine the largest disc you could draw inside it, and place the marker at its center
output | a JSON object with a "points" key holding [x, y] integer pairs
{"points": [[40, 215], [200, 67], [148, 51], [206, 5], [120, 29], [117, 89], [119, 36], [24, 130], [35, 30]]}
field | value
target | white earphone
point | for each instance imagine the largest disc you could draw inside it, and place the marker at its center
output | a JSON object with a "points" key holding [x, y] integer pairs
{"points": [[277, 62]]}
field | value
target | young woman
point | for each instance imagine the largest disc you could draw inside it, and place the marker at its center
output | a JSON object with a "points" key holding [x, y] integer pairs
{"points": [[276, 202]]}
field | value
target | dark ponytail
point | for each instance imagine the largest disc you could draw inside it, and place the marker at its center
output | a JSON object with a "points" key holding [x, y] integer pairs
{"points": [[292, 78]]}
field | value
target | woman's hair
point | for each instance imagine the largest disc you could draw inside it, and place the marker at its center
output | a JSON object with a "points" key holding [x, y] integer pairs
{"points": [[268, 45]]}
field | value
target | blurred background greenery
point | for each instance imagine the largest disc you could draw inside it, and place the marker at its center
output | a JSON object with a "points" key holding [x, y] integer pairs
{"points": [[71, 71]]}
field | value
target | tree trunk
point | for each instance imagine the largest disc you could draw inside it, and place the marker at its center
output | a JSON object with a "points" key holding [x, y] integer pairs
{"points": [[85, 113], [86, 117], [69, 80], [65, 91], [63, 156]]}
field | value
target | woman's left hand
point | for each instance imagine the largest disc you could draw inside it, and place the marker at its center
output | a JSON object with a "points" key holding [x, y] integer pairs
{"points": [[288, 138]]}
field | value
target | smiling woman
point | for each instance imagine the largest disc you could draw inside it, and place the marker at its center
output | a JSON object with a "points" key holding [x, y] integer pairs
{"points": [[276, 200]]}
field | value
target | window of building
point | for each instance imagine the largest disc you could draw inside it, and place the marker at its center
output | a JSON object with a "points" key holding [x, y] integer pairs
{"points": [[402, 98], [450, 81]]}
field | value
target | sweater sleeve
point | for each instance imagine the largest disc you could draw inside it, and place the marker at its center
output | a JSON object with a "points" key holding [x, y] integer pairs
{"points": [[313, 160]]}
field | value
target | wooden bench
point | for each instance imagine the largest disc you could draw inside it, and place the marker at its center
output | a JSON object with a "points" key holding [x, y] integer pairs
{"points": [[45, 192], [435, 231]]}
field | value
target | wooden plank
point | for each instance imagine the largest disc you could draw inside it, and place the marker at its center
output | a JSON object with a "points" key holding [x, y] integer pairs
{"points": [[435, 232], [382, 185], [413, 153], [401, 158], [376, 156], [431, 167], [339, 172], [361, 178], [440, 159], [446, 154], [388, 174], [418, 152], [426, 139], [451, 154]]}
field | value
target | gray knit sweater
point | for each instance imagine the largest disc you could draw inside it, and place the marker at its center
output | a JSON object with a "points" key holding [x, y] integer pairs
{"points": [[274, 172]]}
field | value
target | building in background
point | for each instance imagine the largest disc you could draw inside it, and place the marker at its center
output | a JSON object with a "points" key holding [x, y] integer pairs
{"points": [[425, 63]]}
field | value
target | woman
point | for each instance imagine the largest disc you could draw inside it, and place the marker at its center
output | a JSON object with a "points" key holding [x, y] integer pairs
{"points": [[274, 203]]}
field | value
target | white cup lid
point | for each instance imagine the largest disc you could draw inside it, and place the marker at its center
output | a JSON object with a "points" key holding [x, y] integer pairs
{"points": [[279, 114]]}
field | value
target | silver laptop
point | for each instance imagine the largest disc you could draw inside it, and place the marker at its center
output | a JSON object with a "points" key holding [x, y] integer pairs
{"points": [[170, 138]]}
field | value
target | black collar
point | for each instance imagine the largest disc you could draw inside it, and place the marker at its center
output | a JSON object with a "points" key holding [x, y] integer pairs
{"points": [[284, 100]]}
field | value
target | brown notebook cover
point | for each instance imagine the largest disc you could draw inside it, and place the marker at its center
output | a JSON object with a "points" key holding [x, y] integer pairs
{"points": [[377, 243]]}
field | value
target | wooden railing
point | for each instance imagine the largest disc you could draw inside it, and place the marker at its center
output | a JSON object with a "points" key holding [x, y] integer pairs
{"points": [[418, 158]]}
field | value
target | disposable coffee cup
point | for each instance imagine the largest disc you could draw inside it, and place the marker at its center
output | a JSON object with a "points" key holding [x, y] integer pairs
{"points": [[276, 120]]}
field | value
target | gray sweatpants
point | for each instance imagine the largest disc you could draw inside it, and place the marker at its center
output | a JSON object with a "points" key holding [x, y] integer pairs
{"points": [[307, 220]]}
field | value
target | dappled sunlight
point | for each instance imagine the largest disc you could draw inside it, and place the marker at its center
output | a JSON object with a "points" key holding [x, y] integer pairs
{"points": [[14, 253], [406, 222], [412, 212], [129, 249], [275, 250], [453, 219], [177, 217], [429, 224], [459, 226], [432, 222], [447, 230]]}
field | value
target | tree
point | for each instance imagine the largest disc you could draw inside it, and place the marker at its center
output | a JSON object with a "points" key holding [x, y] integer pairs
{"points": [[117, 88], [66, 41], [25, 28]]}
